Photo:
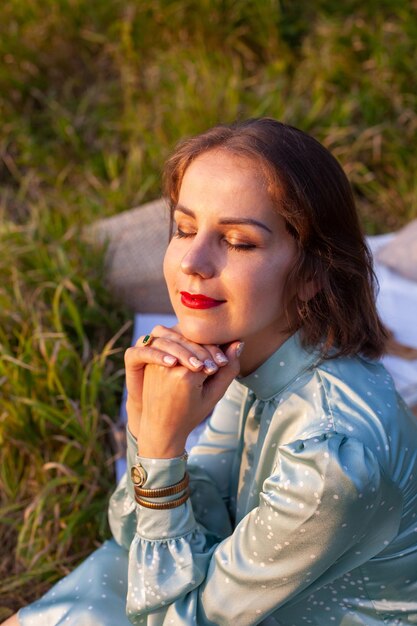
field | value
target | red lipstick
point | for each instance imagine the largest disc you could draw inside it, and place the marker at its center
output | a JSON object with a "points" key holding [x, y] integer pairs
{"points": [[199, 301]]}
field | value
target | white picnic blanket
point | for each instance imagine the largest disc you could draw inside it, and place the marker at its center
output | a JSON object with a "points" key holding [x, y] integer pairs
{"points": [[397, 305]]}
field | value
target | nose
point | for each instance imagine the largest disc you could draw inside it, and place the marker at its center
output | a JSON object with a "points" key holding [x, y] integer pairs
{"points": [[199, 259]]}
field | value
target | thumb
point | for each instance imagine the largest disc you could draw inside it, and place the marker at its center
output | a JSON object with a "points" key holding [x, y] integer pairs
{"points": [[224, 376]]}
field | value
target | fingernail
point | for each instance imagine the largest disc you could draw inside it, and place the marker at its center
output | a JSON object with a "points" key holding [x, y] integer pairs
{"points": [[170, 360], [210, 366], [195, 362], [239, 348], [221, 358]]}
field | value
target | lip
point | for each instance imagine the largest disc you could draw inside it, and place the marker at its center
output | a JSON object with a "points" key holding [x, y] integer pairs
{"points": [[199, 301]]}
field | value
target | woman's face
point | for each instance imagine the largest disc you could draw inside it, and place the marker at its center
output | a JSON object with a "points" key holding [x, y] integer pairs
{"points": [[227, 262]]}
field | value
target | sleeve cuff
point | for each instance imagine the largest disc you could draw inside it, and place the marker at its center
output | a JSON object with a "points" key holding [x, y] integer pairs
{"points": [[160, 472], [159, 524]]}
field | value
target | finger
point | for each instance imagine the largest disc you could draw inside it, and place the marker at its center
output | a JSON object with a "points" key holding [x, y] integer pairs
{"points": [[221, 358], [214, 352], [192, 356], [235, 349], [166, 352], [136, 358], [217, 355], [157, 331], [219, 383]]}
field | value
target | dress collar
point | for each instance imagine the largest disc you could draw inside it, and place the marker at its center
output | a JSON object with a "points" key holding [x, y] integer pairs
{"points": [[270, 378]]}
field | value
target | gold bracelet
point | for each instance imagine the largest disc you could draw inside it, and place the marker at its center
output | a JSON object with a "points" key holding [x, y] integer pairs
{"points": [[171, 504], [161, 492]]}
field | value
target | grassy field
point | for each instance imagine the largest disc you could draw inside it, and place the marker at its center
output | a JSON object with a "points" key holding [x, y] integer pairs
{"points": [[93, 96]]}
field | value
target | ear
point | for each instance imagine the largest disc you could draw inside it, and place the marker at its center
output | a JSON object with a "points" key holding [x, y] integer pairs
{"points": [[308, 290]]}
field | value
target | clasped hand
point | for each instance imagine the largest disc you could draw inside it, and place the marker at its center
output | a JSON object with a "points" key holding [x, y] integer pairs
{"points": [[172, 385]]}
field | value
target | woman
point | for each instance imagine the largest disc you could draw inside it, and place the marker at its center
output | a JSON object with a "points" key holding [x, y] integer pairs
{"points": [[298, 505]]}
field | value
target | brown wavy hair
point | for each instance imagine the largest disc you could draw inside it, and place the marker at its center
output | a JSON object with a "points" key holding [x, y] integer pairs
{"points": [[312, 193]]}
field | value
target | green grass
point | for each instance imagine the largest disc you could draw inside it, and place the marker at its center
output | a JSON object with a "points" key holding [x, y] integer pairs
{"points": [[60, 375], [93, 96]]}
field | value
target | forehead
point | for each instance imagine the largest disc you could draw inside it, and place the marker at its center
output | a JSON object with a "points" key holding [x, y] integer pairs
{"points": [[217, 177], [223, 165]]}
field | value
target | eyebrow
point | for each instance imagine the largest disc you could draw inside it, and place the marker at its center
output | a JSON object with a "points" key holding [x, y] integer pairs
{"points": [[227, 220]]}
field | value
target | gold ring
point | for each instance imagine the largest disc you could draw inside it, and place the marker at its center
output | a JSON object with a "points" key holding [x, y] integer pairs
{"points": [[147, 340]]}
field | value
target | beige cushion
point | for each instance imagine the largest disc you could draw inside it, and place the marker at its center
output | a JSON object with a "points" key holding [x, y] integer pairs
{"points": [[137, 240], [400, 253]]}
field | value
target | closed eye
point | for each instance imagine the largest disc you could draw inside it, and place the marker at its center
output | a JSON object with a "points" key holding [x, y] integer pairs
{"points": [[239, 246], [180, 234]]}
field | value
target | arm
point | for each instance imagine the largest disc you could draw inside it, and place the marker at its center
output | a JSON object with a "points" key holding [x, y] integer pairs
{"points": [[296, 540], [167, 349], [210, 464], [216, 448]]}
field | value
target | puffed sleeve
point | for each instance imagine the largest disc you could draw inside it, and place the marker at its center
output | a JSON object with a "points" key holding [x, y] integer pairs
{"points": [[216, 448], [326, 508], [122, 506], [210, 467]]}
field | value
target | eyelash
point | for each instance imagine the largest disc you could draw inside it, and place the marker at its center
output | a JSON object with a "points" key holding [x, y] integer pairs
{"points": [[179, 234]]}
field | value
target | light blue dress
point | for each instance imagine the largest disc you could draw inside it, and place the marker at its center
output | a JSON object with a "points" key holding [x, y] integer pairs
{"points": [[303, 511]]}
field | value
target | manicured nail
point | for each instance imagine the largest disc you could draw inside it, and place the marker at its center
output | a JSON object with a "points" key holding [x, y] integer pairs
{"points": [[210, 366], [239, 348], [221, 358], [169, 360], [195, 362]]}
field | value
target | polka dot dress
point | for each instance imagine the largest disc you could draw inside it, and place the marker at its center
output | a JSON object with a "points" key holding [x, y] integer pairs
{"points": [[303, 510]]}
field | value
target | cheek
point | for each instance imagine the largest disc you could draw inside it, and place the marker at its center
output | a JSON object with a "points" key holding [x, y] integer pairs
{"points": [[165, 267], [170, 264], [264, 297], [260, 283]]}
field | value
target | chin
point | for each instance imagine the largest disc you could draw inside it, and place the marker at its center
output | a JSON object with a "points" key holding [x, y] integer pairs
{"points": [[203, 334]]}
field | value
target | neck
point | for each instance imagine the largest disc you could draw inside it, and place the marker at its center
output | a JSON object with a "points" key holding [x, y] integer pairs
{"points": [[257, 350]]}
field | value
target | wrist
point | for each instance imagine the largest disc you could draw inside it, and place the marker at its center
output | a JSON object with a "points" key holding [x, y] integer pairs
{"points": [[154, 473], [160, 450], [133, 428], [133, 418]]}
